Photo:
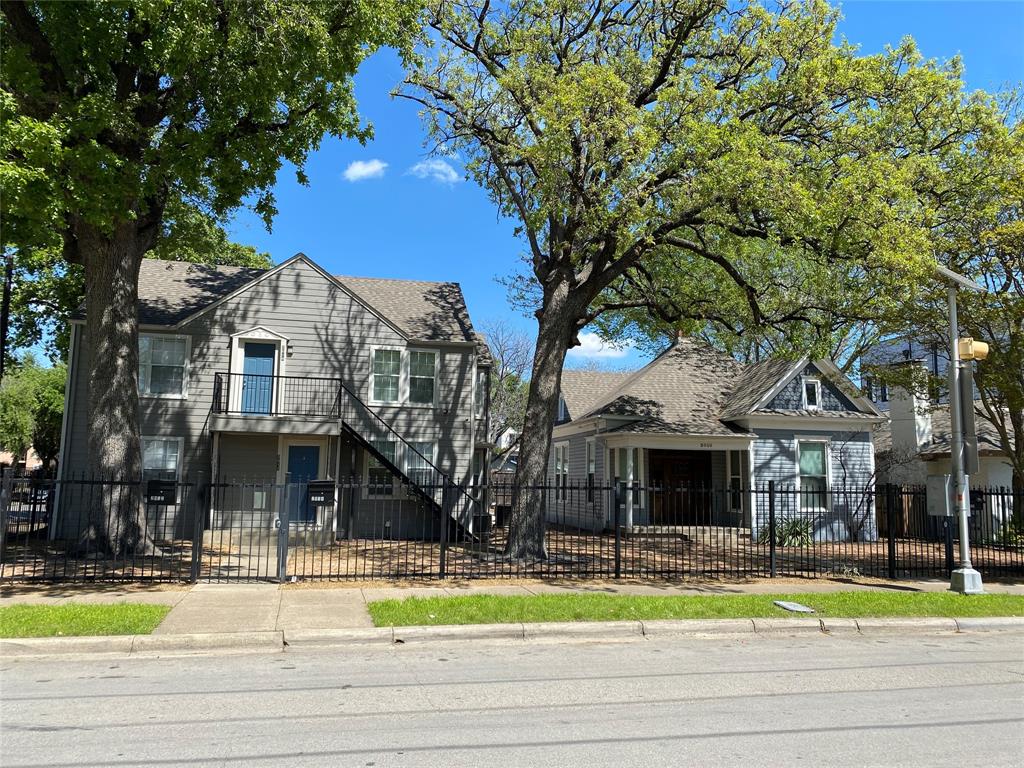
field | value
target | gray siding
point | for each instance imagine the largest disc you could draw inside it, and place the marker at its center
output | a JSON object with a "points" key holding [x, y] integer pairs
{"points": [[330, 334], [791, 396], [851, 510]]}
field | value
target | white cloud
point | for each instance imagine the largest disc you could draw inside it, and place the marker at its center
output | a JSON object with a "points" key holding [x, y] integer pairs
{"points": [[592, 347], [436, 169], [364, 169]]}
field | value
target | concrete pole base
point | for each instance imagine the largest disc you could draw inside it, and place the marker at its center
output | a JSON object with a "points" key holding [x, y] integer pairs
{"points": [[966, 581]]}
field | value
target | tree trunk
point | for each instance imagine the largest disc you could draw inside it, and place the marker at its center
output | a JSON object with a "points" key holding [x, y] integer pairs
{"points": [[117, 524], [557, 330]]}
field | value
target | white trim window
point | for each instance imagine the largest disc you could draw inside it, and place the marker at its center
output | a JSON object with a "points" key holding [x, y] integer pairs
{"points": [[161, 458], [561, 465], [480, 393], [380, 482], [591, 471], [735, 461], [419, 461], [386, 375], [812, 459], [422, 376], [811, 393], [163, 365]]}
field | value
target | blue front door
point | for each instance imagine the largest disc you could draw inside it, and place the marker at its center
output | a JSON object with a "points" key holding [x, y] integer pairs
{"points": [[303, 466], [258, 378]]}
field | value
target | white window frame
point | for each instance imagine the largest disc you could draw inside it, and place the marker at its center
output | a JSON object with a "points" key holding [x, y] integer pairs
{"points": [[183, 395], [167, 439], [817, 392], [257, 335], [734, 471], [590, 469], [561, 469], [367, 492], [406, 378], [563, 410], [480, 393], [373, 354], [409, 456], [828, 471], [404, 375]]}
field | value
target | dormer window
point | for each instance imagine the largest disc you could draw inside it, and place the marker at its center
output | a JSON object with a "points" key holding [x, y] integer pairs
{"points": [[563, 410], [812, 394]]}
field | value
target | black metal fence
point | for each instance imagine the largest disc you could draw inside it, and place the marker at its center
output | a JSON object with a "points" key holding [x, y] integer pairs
{"points": [[85, 529]]}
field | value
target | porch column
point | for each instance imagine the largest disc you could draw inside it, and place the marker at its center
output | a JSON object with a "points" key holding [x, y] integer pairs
{"points": [[629, 485]]}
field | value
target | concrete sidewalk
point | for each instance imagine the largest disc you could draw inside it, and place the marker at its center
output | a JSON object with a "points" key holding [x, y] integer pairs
{"points": [[225, 608]]}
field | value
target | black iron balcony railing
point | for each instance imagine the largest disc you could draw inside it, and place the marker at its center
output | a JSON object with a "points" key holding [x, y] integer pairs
{"points": [[252, 394], [246, 394]]}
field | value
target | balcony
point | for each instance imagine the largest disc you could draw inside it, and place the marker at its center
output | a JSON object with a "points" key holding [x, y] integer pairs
{"points": [[247, 394]]}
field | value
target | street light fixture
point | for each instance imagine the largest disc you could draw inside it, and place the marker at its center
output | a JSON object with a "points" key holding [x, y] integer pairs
{"points": [[964, 579]]}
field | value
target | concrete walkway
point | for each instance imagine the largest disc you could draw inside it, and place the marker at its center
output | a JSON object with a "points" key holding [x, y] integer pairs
{"points": [[220, 608]]}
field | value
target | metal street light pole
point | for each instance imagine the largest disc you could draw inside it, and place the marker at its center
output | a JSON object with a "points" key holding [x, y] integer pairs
{"points": [[964, 579]]}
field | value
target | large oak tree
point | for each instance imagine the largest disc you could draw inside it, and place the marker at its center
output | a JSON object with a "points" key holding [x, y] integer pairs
{"points": [[123, 106], [732, 144]]}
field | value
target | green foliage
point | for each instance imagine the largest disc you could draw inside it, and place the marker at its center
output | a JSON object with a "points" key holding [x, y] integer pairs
{"points": [[166, 114], [32, 408], [47, 290], [795, 532]]}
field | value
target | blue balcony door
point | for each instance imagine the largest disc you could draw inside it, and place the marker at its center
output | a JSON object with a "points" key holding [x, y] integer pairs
{"points": [[258, 377], [303, 466]]}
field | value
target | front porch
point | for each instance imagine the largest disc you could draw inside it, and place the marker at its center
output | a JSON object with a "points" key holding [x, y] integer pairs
{"points": [[680, 484]]}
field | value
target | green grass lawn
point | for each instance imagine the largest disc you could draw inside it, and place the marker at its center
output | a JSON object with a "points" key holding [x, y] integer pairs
{"points": [[79, 619], [501, 609]]}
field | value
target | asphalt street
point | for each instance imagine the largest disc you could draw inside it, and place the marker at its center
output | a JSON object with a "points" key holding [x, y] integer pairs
{"points": [[928, 700]]}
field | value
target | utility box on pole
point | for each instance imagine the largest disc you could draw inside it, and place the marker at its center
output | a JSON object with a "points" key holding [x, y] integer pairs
{"points": [[938, 491], [970, 429]]}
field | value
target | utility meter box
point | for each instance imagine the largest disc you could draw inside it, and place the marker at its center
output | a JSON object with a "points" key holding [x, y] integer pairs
{"points": [[938, 489], [321, 493]]}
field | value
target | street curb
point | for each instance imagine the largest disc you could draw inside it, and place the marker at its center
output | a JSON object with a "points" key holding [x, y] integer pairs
{"points": [[143, 645], [318, 638], [277, 641]]}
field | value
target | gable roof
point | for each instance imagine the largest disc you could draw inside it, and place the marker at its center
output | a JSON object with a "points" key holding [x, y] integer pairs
{"points": [[171, 292], [582, 390], [755, 383], [692, 389], [424, 310], [681, 391]]}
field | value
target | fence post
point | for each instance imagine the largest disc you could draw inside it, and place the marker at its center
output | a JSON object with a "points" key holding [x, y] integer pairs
{"points": [[617, 500], [198, 527], [891, 498], [282, 532], [445, 522], [771, 528], [948, 530]]}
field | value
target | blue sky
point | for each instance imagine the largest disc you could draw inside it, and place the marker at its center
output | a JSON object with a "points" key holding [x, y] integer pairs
{"points": [[396, 214]]}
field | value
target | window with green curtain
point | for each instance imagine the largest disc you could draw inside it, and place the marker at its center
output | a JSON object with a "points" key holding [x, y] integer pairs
{"points": [[813, 475], [387, 368]]}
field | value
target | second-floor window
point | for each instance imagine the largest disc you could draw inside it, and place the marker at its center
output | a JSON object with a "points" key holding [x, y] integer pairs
{"points": [[422, 375], [387, 374], [162, 365]]}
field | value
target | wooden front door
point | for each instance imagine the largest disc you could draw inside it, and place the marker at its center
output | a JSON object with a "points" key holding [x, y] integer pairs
{"points": [[682, 480]]}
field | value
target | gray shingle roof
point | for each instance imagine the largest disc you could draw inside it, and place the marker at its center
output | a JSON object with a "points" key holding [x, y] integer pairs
{"points": [[171, 291], [682, 391], [939, 445], [423, 310], [582, 390], [756, 381]]}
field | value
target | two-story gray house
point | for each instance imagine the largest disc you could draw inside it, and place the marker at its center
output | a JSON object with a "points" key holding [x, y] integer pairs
{"points": [[697, 422], [281, 377]]}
